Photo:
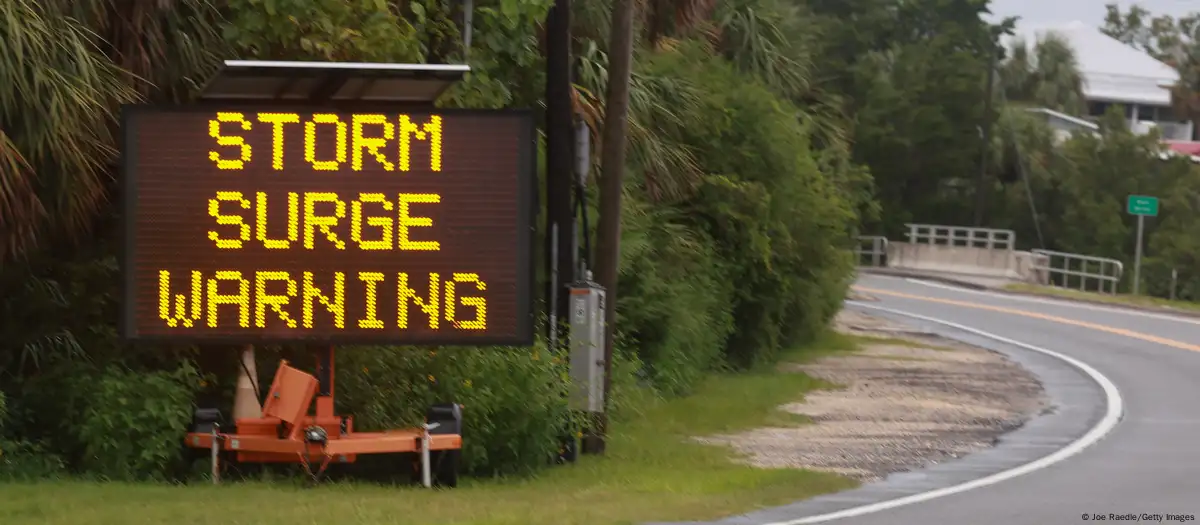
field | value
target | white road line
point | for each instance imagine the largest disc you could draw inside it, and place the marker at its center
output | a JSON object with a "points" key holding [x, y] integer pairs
{"points": [[1111, 416], [1053, 302]]}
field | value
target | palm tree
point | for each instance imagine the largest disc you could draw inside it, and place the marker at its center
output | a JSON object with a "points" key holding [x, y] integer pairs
{"points": [[68, 65], [664, 18], [657, 22], [1048, 76], [769, 39]]}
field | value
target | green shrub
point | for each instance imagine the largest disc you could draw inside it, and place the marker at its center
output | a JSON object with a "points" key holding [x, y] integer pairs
{"points": [[25, 461], [780, 226], [629, 393], [20, 459], [514, 408], [673, 305], [132, 428]]}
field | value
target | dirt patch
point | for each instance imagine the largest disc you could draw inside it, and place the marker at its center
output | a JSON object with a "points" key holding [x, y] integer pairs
{"points": [[911, 400]]}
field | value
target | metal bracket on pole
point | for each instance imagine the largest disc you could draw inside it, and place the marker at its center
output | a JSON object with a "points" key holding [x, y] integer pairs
{"points": [[1174, 281], [426, 471], [215, 449], [552, 301], [468, 10]]}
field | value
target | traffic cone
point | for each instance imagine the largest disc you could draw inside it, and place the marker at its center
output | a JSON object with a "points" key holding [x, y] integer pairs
{"points": [[245, 398]]}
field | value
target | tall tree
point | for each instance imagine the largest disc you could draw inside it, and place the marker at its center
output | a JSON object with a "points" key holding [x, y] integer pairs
{"points": [[612, 173], [1174, 41], [1164, 37], [1185, 95], [913, 74]]}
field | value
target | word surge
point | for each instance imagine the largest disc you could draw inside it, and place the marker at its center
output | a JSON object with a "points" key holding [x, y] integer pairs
{"points": [[375, 221]]}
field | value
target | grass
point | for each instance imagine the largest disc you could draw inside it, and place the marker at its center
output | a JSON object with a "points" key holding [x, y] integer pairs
{"points": [[652, 472], [1119, 299]]}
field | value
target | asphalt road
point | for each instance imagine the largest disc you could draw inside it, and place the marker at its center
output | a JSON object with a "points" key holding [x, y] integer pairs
{"points": [[1149, 463]]}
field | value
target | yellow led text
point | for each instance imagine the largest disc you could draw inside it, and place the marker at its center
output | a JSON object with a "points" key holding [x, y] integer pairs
{"points": [[357, 139], [371, 221], [275, 298], [214, 130]]}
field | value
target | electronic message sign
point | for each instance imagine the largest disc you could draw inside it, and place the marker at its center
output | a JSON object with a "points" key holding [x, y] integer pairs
{"points": [[247, 225]]}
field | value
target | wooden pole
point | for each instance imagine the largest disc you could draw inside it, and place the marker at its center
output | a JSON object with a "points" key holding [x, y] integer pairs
{"points": [[560, 161], [612, 175]]}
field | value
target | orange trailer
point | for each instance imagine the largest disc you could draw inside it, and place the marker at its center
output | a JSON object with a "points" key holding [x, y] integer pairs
{"points": [[298, 425]]}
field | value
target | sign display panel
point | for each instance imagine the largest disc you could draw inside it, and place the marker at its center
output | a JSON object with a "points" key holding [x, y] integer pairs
{"points": [[1142, 205], [312, 225]]}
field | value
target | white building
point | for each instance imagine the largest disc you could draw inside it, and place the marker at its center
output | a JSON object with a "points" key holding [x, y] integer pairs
{"points": [[1116, 73], [1065, 126]]}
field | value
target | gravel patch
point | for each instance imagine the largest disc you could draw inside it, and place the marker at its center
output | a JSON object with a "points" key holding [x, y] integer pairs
{"points": [[907, 402]]}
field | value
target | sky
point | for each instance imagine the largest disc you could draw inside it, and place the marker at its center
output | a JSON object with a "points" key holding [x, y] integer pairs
{"points": [[1091, 12]]}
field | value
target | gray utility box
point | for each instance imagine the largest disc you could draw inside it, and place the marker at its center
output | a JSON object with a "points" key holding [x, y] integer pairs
{"points": [[587, 345]]}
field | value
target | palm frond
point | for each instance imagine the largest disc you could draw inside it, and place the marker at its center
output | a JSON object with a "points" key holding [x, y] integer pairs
{"points": [[167, 47], [673, 18], [667, 167], [20, 209], [57, 112], [764, 38]]}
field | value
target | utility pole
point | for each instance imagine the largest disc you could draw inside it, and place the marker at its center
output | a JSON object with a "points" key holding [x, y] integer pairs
{"points": [[560, 165], [981, 182], [612, 175]]}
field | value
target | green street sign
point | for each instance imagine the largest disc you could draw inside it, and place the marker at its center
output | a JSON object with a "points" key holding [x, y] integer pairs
{"points": [[1142, 205]]}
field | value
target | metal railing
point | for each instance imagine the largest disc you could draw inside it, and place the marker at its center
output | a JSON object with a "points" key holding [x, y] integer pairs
{"points": [[1075, 271], [877, 253], [989, 238]]}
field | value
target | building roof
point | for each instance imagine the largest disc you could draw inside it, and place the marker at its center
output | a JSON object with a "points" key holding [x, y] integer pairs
{"points": [[1112, 70]]}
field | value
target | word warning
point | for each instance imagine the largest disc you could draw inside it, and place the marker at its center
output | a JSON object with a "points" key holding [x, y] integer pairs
{"points": [[248, 226]]}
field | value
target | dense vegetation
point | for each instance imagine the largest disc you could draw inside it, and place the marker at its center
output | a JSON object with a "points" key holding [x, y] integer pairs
{"points": [[1070, 195], [764, 135]]}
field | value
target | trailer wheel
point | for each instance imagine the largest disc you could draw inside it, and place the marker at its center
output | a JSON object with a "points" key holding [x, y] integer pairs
{"points": [[203, 421], [444, 469]]}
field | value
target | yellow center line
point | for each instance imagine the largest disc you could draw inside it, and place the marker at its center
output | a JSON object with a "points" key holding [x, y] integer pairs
{"points": [[1052, 318]]}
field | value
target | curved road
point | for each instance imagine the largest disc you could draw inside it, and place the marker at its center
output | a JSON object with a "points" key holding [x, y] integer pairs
{"points": [[1148, 464]]}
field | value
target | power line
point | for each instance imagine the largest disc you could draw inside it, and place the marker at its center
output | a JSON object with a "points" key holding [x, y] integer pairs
{"points": [[1022, 172]]}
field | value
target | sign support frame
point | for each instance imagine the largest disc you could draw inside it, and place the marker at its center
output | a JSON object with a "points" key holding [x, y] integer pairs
{"points": [[1137, 254], [1142, 206]]}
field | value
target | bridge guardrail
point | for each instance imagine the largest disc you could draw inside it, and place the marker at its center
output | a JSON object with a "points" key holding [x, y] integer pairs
{"points": [[1102, 272], [935, 234]]}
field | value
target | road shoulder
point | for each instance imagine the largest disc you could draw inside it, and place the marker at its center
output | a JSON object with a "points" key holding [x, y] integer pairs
{"points": [[1073, 405], [907, 400]]}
